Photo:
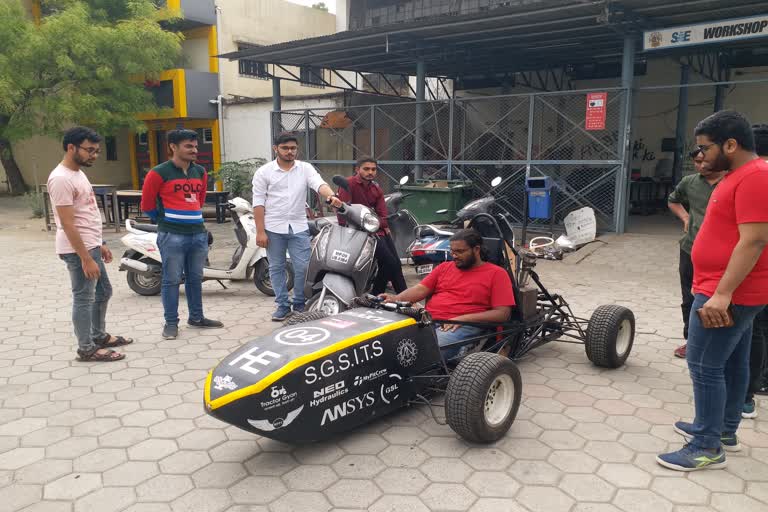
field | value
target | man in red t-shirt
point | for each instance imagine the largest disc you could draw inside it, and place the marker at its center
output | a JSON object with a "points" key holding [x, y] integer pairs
{"points": [[467, 289], [730, 286]]}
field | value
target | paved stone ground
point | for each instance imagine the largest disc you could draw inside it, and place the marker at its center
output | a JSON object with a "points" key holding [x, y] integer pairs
{"points": [[133, 436]]}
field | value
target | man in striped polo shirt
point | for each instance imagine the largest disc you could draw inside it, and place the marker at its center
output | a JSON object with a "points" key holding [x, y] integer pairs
{"points": [[173, 195]]}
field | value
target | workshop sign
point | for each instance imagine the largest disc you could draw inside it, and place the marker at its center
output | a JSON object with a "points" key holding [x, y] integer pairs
{"points": [[596, 103], [706, 33]]}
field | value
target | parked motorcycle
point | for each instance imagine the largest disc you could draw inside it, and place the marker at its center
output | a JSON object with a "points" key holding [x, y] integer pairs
{"points": [[342, 264], [143, 264], [401, 221], [432, 241]]}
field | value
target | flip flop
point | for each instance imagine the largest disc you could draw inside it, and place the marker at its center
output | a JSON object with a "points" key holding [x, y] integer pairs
{"points": [[94, 355], [119, 342]]}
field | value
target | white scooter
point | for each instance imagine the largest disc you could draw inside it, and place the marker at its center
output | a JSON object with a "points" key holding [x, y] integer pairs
{"points": [[144, 267]]}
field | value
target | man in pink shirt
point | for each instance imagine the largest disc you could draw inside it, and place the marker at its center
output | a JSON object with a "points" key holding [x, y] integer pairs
{"points": [[80, 246]]}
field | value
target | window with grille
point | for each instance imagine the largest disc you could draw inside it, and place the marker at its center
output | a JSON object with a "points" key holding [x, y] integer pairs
{"points": [[311, 77], [251, 68]]}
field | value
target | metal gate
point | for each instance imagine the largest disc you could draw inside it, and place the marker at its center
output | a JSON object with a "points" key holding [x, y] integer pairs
{"points": [[477, 139]]}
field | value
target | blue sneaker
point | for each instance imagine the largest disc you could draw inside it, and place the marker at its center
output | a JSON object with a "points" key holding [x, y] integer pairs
{"points": [[281, 313], [690, 458], [749, 411], [730, 442], [298, 308]]}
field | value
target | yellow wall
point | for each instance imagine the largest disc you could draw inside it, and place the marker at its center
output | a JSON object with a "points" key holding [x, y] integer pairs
{"points": [[37, 156], [267, 22]]}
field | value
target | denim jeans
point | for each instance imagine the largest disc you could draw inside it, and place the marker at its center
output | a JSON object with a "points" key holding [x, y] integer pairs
{"points": [[297, 245], [462, 333], [183, 258], [89, 300], [718, 360]]}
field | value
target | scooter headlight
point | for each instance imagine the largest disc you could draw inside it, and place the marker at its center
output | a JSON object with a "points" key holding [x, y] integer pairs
{"points": [[370, 222]]}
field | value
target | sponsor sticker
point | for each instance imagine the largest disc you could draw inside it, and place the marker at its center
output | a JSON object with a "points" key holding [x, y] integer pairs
{"points": [[300, 336], [254, 356], [390, 390], [368, 316], [338, 323], [328, 393], [221, 383], [342, 361], [362, 379], [276, 423], [348, 407], [278, 397], [407, 352]]}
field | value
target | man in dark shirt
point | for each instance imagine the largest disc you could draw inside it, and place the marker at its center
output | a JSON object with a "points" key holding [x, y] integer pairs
{"points": [[364, 190], [689, 203]]}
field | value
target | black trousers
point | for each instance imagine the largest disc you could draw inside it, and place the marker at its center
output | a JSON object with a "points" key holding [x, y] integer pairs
{"points": [[757, 354], [686, 283], [390, 269]]}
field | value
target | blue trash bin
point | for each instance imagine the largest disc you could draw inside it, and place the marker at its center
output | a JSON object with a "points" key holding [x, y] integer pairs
{"points": [[539, 190]]}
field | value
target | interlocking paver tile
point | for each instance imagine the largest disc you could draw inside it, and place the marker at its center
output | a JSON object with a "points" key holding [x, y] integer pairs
{"points": [[402, 456], [164, 488], [448, 497], [544, 499], [446, 470], [258, 490], [493, 484], [202, 500], [18, 496], [534, 472], [185, 462], [20, 457], [219, 475], [294, 501], [399, 504], [106, 499], [587, 488], [573, 461], [46, 436], [311, 478], [72, 486], [319, 453], [100, 460], [445, 446], [495, 505], [130, 473], [401, 481], [353, 493], [631, 500], [271, 464], [404, 435], [49, 506], [358, 466]]}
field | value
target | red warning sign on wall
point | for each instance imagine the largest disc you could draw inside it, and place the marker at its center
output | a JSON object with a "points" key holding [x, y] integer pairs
{"points": [[596, 105]]}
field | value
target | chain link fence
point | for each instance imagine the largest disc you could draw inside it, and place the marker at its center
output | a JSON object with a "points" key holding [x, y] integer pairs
{"points": [[477, 139]]}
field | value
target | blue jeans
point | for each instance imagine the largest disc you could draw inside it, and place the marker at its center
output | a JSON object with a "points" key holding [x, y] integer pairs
{"points": [[462, 333], [297, 245], [89, 300], [718, 360], [183, 258]]}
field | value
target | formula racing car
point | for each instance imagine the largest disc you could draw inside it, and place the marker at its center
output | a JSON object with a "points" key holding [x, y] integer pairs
{"points": [[321, 375]]}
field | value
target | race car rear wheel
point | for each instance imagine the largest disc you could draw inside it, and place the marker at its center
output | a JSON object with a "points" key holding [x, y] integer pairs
{"points": [[610, 335], [483, 397], [300, 318]]}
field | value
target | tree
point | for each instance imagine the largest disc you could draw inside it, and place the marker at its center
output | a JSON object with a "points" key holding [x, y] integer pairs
{"points": [[84, 63], [320, 6]]}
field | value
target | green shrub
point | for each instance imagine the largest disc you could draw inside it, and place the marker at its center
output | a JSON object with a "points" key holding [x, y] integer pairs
{"points": [[36, 201], [236, 177]]}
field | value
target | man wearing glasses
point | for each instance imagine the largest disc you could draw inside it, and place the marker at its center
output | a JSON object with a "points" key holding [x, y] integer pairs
{"points": [[730, 286], [279, 197], [689, 203], [80, 246], [466, 289], [364, 190]]}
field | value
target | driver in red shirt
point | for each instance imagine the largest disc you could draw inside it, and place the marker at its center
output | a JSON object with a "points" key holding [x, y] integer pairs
{"points": [[468, 289]]}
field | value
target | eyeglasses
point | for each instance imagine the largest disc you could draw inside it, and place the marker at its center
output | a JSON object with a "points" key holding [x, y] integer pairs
{"points": [[90, 151], [700, 148]]}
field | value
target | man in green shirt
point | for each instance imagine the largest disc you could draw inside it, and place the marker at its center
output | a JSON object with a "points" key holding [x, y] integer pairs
{"points": [[689, 203]]}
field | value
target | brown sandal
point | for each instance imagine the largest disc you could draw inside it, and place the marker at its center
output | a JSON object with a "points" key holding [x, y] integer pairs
{"points": [[95, 355], [119, 341]]}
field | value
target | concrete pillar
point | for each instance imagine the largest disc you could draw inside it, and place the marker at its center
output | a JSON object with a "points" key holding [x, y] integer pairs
{"points": [[682, 124], [420, 96]]}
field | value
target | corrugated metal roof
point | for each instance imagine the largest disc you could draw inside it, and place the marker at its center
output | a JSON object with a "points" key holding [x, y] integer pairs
{"points": [[523, 37]]}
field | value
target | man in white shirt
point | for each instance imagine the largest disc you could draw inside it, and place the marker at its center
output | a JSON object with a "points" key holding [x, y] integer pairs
{"points": [[279, 196]]}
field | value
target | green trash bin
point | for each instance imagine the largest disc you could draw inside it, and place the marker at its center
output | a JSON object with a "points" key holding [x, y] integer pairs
{"points": [[423, 201]]}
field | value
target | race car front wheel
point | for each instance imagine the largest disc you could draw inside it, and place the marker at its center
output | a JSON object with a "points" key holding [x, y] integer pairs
{"points": [[610, 335], [483, 397]]}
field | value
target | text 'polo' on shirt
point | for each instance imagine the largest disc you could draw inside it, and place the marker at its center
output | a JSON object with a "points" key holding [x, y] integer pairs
{"points": [[283, 194]]}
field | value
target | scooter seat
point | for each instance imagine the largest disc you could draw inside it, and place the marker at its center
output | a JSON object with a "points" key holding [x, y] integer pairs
{"points": [[432, 229], [152, 228], [149, 228]]}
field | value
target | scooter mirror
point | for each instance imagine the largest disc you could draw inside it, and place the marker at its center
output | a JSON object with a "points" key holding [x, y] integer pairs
{"points": [[441, 211], [495, 181], [341, 181], [404, 180]]}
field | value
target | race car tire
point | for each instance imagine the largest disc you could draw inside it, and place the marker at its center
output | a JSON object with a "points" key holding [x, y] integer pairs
{"points": [[308, 316], [483, 397], [610, 335]]}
